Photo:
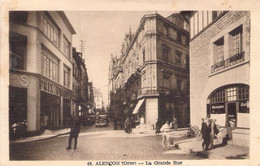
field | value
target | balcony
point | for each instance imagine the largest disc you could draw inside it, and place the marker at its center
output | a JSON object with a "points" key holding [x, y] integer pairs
{"points": [[233, 60]]}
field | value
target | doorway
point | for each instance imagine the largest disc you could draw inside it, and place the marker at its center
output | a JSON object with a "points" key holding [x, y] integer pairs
{"points": [[231, 115]]}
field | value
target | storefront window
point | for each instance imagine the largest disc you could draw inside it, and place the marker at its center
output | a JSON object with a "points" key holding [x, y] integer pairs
{"points": [[232, 94], [244, 107]]}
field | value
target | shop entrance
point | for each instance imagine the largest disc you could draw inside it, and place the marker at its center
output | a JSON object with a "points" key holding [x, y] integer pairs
{"points": [[17, 106], [50, 111], [231, 115]]}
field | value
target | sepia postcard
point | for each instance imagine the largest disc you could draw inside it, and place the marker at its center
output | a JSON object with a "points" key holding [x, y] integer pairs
{"points": [[129, 83]]}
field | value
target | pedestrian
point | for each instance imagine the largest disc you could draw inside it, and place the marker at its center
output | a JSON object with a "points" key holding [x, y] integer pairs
{"points": [[115, 124], [165, 129], [157, 127], [175, 124], [203, 130], [23, 128], [128, 125], [74, 132], [213, 132], [206, 134]]}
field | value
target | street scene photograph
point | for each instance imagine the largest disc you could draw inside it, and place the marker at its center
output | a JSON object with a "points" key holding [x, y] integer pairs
{"points": [[129, 86]]}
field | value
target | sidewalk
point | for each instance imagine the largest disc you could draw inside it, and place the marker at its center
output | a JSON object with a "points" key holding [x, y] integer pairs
{"points": [[193, 146], [47, 134]]}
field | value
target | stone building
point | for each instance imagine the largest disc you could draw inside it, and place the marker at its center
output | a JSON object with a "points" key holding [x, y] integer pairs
{"points": [[219, 75], [98, 99], [152, 73], [91, 102], [80, 85], [40, 68]]}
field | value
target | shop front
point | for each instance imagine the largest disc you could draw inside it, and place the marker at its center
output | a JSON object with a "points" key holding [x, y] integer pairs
{"points": [[229, 105], [55, 105]]}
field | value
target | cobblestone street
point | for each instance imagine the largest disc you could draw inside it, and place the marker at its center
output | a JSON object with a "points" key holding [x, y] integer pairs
{"points": [[99, 144]]}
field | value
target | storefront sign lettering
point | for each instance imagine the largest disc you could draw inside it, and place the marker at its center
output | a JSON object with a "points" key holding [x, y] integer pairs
{"points": [[217, 106], [54, 89], [243, 104], [23, 81]]}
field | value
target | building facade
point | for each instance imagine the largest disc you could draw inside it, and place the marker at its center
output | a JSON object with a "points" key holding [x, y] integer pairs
{"points": [[80, 85], [98, 99], [91, 102], [219, 75], [152, 74], [40, 88]]}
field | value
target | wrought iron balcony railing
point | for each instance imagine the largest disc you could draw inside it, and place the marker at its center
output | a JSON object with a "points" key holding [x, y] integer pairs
{"points": [[233, 60]]}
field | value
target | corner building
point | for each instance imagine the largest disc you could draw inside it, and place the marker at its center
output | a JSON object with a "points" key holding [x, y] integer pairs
{"points": [[153, 70], [40, 69], [220, 67]]}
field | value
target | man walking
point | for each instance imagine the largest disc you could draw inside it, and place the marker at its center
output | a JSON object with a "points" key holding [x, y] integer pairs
{"points": [[74, 132]]}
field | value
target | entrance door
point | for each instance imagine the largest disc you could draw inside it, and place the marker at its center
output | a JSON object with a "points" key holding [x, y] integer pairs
{"points": [[231, 114]]}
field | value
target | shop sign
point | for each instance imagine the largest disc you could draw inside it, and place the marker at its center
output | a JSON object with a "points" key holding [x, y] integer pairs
{"points": [[218, 106], [244, 104], [54, 89], [23, 81], [218, 109]]}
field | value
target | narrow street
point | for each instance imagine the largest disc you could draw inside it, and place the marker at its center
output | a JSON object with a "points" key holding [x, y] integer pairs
{"points": [[102, 143]]}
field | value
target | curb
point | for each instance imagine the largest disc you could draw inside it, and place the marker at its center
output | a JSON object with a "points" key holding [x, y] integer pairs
{"points": [[41, 139]]}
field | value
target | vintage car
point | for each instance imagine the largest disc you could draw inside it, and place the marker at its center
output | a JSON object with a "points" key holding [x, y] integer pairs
{"points": [[102, 120]]}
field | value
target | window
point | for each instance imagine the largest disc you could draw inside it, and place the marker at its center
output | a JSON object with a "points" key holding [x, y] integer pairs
{"points": [[232, 94], [178, 58], [17, 47], [166, 80], [243, 93], [165, 54], [179, 82], [66, 47], [236, 40], [214, 15], [50, 29], [218, 97], [50, 65], [219, 50], [179, 37], [66, 76]]}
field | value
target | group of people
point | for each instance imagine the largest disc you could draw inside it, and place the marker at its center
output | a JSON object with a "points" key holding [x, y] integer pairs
{"points": [[19, 129], [208, 130]]}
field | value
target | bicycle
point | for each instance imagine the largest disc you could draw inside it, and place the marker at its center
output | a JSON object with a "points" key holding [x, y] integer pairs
{"points": [[194, 131]]}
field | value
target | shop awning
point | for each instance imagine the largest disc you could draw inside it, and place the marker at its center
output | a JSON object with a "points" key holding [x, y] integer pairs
{"points": [[140, 102]]}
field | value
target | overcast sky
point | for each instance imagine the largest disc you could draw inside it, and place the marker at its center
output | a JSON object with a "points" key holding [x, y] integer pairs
{"points": [[103, 33]]}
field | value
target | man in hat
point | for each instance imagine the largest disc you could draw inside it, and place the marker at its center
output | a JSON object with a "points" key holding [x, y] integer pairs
{"points": [[74, 132]]}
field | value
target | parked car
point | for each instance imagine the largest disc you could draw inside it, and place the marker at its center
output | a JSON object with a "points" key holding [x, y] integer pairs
{"points": [[102, 120]]}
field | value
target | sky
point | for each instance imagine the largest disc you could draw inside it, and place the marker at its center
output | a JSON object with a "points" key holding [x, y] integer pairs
{"points": [[103, 33]]}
